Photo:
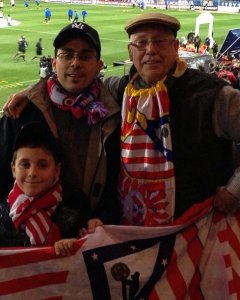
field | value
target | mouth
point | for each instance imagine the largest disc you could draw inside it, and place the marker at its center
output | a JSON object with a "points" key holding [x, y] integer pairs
{"points": [[76, 76], [151, 62]]}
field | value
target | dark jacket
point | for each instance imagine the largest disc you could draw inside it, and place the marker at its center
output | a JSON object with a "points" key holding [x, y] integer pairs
{"points": [[90, 154], [202, 161]]}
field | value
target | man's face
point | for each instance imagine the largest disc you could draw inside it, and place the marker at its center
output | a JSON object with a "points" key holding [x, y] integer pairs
{"points": [[76, 64], [153, 51]]}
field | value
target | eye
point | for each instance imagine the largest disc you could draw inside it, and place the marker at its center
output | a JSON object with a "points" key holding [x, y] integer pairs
{"points": [[159, 43], [24, 164], [42, 164], [68, 56], [85, 57], [142, 43]]}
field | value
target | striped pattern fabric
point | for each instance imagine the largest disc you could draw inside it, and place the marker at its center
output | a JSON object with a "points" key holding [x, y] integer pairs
{"points": [[35, 214], [196, 258]]}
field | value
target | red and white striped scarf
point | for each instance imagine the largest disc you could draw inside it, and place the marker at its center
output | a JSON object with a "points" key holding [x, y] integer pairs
{"points": [[35, 214], [147, 183], [147, 178]]}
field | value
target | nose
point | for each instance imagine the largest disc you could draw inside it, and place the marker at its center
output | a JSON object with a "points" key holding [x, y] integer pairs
{"points": [[76, 60], [33, 171], [151, 46]]}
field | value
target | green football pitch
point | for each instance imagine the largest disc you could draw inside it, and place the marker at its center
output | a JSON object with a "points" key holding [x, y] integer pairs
{"points": [[108, 20]]}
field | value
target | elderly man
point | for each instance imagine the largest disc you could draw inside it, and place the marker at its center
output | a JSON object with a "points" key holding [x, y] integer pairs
{"points": [[86, 120], [178, 126]]}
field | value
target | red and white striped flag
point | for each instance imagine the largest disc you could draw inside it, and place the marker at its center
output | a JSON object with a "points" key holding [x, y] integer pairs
{"points": [[196, 258]]}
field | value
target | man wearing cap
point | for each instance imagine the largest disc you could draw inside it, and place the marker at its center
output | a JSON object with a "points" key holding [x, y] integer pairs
{"points": [[178, 126], [177, 130], [83, 116]]}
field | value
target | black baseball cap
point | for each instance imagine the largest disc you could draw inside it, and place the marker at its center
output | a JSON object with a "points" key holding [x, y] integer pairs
{"points": [[78, 30], [36, 134]]}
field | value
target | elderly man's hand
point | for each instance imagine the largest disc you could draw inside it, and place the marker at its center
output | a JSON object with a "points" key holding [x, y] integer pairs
{"points": [[225, 202], [15, 105]]}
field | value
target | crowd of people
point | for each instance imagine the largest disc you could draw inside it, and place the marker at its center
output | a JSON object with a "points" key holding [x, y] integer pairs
{"points": [[225, 66]]}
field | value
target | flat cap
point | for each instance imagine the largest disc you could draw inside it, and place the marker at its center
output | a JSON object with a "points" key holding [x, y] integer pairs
{"points": [[153, 18]]}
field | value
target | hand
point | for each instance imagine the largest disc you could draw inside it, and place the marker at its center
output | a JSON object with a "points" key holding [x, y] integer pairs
{"points": [[64, 247], [92, 224], [225, 202], [15, 105]]}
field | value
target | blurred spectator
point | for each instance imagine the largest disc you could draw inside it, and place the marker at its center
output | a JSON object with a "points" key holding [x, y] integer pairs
{"points": [[47, 15], [70, 14], [215, 49], [9, 20], [84, 15], [76, 16], [22, 47], [197, 42], [39, 49]]}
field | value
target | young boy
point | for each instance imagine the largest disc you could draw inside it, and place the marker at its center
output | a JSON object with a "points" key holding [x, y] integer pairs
{"points": [[26, 216], [34, 214]]}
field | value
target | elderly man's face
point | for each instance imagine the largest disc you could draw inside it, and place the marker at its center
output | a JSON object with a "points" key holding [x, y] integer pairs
{"points": [[153, 51], [76, 64]]}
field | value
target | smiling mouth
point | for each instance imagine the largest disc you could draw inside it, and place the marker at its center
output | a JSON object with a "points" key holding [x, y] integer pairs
{"points": [[75, 75], [152, 62]]}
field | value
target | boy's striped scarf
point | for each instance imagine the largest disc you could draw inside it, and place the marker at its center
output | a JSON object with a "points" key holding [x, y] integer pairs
{"points": [[35, 214]]}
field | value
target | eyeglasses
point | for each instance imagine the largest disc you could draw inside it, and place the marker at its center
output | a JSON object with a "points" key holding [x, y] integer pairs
{"points": [[69, 56], [141, 45]]}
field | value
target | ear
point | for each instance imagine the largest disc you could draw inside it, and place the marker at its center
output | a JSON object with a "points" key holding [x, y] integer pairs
{"points": [[130, 52], [176, 45], [54, 64], [58, 170], [100, 65], [13, 170]]}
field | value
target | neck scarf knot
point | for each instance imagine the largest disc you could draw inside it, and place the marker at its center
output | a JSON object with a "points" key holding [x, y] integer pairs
{"points": [[85, 104]]}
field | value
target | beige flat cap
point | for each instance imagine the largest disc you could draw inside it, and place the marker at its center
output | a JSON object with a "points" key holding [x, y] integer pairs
{"points": [[153, 18]]}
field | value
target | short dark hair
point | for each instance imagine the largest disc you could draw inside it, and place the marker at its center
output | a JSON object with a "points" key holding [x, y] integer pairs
{"points": [[35, 135]]}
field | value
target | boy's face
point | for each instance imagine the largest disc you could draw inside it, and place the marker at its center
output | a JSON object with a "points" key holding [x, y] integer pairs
{"points": [[35, 170]]}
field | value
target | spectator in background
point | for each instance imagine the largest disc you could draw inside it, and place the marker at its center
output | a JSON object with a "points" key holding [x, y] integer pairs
{"points": [[43, 72], [215, 49], [26, 3], [47, 15], [37, 2], [39, 49], [207, 42], [84, 15], [12, 2], [1, 5], [22, 47], [197, 42], [70, 14], [9, 20], [76, 17]]}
